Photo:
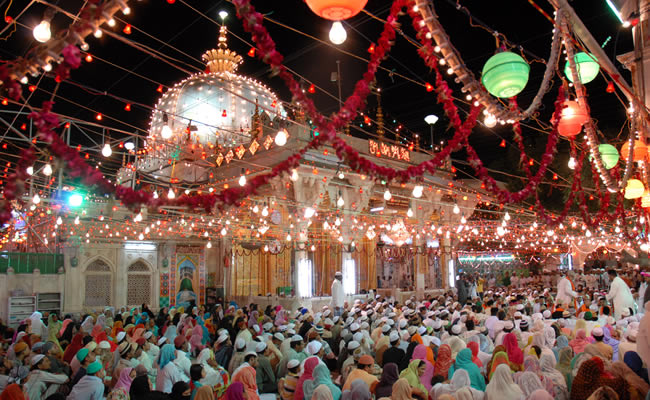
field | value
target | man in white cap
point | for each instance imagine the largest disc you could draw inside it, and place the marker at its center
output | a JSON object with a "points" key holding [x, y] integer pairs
{"points": [[223, 350], [606, 351], [393, 354], [264, 377], [619, 294], [566, 293], [294, 353], [338, 297]]}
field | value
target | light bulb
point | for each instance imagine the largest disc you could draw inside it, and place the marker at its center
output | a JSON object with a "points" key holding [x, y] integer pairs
{"points": [[59, 221], [30, 170], [266, 248], [36, 199], [387, 195], [129, 146], [338, 33], [256, 209], [294, 175], [281, 137], [409, 213], [223, 231], [417, 191], [171, 194], [341, 176], [126, 10], [340, 202], [166, 132], [265, 212], [463, 220], [456, 210], [42, 32], [309, 212], [313, 248], [111, 22], [47, 170], [209, 245], [288, 237], [242, 180], [47, 67], [106, 150], [140, 236], [506, 216], [76, 220], [490, 121], [572, 163], [138, 217], [98, 33], [84, 46]]}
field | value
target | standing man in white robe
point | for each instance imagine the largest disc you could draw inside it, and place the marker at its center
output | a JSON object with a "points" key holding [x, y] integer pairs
{"points": [[619, 294], [338, 297], [565, 292]]}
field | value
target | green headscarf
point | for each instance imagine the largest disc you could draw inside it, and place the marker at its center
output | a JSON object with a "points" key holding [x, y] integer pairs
{"points": [[464, 361], [322, 376], [411, 375]]}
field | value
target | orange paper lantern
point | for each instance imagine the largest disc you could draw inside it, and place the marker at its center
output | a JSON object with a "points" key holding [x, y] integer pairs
{"points": [[572, 118], [639, 153], [336, 10]]}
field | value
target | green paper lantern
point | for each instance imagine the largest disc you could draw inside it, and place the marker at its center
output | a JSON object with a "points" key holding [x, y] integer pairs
{"points": [[609, 155], [586, 66], [505, 74]]}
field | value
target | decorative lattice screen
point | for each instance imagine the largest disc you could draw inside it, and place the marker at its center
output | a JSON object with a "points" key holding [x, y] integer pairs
{"points": [[138, 284], [98, 290], [138, 267]]}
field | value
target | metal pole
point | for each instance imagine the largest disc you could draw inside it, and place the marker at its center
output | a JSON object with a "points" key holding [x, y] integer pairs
{"points": [[431, 130], [338, 80]]}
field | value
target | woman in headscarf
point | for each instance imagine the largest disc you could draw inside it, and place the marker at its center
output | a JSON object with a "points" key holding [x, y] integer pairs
{"points": [[443, 362], [401, 390], [204, 393], [580, 342], [560, 343], [473, 346], [464, 361], [246, 375], [322, 393], [53, 328], [531, 364], [235, 391], [564, 365], [528, 382], [420, 353], [307, 374], [168, 373], [126, 378], [609, 340], [502, 387], [457, 344], [540, 394], [634, 362], [515, 355], [412, 374], [591, 376], [548, 372], [389, 376], [321, 376], [459, 381], [638, 388], [196, 340], [75, 345], [499, 358], [66, 332], [358, 391], [117, 328], [485, 343]]}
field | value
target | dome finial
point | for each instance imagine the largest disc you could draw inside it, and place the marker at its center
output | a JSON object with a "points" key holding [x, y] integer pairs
{"points": [[222, 59]]}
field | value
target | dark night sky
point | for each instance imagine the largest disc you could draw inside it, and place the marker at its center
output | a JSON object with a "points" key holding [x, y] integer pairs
{"points": [[193, 34]]}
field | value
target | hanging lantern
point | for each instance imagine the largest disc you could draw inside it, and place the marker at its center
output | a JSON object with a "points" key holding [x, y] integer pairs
{"points": [[638, 154], [609, 155], [505, 74], [634, 189], [336, 10], [586, 66], [645, 200], [572, 118]]}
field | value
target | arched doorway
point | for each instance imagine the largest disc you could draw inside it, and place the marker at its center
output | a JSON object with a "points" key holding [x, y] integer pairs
{"points": [[98, 284], [138, 288]]}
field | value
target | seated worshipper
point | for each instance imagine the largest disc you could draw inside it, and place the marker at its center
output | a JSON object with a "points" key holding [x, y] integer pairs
{"points": [[245, 374], [459, 381], [528, 383], [401, 390], [502, 387], [638, 388], [41, 383], [548, 372], [634, 362], [604, 350], [320, 376], [307, 374], [214, 373], [412, 374], [168, 373], [85, 358], [420, 353], [443, 362], [531, 364], [384, 387], [266, 381], [358, 391], [223, 350], [126, 378], [362, 371], [629, 344], [580, 342], [560, 343], [91, 386], [287, 384], [591, 376], [182, 360], [197, 373], [355, 352], [238, 357], [464, 361]]}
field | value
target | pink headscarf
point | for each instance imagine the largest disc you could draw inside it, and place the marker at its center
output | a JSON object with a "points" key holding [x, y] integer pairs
{"points": [[580, 342], [196, 341], [474, 347], [515, 355], [420, 353], [66, 322], [125, 380], [310, 364]]}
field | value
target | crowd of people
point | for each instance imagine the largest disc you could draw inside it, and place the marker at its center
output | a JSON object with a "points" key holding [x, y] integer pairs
{"points": [[535, 341]]}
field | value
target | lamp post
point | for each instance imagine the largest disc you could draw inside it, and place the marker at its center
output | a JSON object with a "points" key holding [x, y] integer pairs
{"points": [[431, 120]]}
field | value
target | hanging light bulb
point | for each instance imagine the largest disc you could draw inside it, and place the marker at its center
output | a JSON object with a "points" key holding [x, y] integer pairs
{"points": [[506, 216], [387, 195], [29, 170], [223, 231], [417, 191], [36, 199], [456, 209], [47, 169], [98, 33], [265, 212], [288, 237], [106, 150], [171, 194], [76, 220], [166, 132], [340, 202], [341, 176], [209, 245], [309, 212], [42, 32], [572, 163], [138, 217], [490, 121], [463, 220], [313, 248], [256, 209], [59, 221], [338, 33], [266, 248], [242, 178], [294, 175], [281, 137], [409, 213]]}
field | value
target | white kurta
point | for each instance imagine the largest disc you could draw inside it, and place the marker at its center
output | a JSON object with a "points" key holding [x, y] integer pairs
{"points": [[621, 296], [338, 298], [565, 292]]}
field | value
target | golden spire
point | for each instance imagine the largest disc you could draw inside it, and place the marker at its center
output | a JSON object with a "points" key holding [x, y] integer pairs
{"points": [[257, 124], [222, 59], [380, 116]]}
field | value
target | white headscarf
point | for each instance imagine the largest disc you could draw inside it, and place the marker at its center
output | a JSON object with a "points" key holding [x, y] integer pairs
{"points": [[549, 337], [502, 386], [322, 392], [529, 382]]}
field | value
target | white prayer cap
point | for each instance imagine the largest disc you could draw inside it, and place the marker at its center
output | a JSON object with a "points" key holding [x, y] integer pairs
{"points": [[147, 335], [104, 345], [402, 323], [240, 344], [435, 340], [597, 331], [394, 336], [358, 337], [223, 338], [314, 347], [120, 336], [353, 345], [547, 314], [455, 329], [354, 327], [282, 328], [260, 347], [508, 325], [385, 328], [267, 326], [293, 363], [279, 336], [296, 338], [422, 330], [37, 358], [162, 341]]}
